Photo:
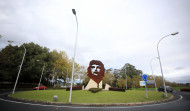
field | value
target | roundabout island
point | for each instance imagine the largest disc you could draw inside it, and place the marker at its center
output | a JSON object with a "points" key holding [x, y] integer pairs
{"points": [[85, 97], [113, 96]]}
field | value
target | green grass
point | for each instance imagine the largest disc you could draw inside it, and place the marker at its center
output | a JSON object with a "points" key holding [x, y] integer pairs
{"points": [[82, 96]]}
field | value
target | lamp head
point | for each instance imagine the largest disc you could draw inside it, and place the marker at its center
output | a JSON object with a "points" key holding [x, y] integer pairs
{"points": [[74, 12], [175, 33]]}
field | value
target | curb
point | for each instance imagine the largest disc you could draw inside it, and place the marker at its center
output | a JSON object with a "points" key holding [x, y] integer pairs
{"points": [[94, 104]]}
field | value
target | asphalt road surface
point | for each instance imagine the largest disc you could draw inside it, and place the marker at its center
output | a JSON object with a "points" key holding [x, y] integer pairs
{"points": [[181, 102]]}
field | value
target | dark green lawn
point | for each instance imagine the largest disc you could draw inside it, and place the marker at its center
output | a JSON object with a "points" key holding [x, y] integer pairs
{"points": [[83, 96]]}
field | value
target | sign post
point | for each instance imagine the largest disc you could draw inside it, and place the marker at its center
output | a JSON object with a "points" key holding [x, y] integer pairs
{"points": [[145, 78]]}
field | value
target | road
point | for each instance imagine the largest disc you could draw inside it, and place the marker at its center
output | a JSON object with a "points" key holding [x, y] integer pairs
{"points": [[181, 102]]}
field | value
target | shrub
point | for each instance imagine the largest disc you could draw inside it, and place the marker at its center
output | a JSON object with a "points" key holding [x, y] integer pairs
{"points": [[74, 88], [95, 90], [116, 89], [57, 87], [185, 89]]}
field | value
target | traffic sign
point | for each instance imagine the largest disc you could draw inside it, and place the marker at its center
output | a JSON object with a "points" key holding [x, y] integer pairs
{"points": [[150, 82], [142, 83], [144, 77]]}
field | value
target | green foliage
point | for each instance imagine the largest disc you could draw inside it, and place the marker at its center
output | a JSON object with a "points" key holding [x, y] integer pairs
{"points": [[133, 76], [85, 81], [121, 83], [95, 90], [108, 78], [9, 62], [57, 64], [130, 71]]}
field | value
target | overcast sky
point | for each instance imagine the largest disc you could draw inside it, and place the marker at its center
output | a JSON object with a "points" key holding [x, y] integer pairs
{"points": [[112, 31]]}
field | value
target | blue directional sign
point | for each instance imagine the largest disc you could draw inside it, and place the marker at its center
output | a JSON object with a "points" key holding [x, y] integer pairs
{"points": [[144, 77]]}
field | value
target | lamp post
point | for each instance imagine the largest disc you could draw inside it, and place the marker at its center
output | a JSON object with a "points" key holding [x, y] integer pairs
{"points": [[152, 72], [165, 93], [41, 74], [20, 65], [74, 12]]}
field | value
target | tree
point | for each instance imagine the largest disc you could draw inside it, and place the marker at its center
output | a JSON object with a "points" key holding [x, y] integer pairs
{"points": [[31, 69], [86, 80], [57, 64], [61, 65], [82, 73], [9, 62], [130, 71], [135, 81], [108, 78], [117, 75], [121, 83]]}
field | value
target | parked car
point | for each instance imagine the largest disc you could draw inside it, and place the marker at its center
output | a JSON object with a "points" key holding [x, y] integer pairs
{"points": [[40, 87], [168, 89]]}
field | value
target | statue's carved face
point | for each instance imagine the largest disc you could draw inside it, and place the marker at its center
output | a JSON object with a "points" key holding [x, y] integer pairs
{"points": [[96, 70]]}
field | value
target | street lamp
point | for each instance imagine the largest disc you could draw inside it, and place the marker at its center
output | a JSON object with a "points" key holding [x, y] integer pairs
{"points": [[19, 66], [165, 93], [152, 72], [74, 12], [41, 74]]}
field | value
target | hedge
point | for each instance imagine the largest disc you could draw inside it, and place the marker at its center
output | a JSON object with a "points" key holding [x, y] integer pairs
{"points": [[95, 90], [185, 89], [74, 88], [116, 89]]}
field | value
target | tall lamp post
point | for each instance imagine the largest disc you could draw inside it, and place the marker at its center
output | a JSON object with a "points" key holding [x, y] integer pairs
{"points": [[41, 74], [152, 71], [20, 65], [165, 93], [74, 12]]}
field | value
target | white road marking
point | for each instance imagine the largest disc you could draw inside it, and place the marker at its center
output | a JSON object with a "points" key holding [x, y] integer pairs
{"points": [[83, 107]]}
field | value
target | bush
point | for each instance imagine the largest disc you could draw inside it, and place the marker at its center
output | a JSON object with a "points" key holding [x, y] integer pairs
{"points": [[95, 90], [57, 87], [116, 89], [74, 88], [185, 89]]}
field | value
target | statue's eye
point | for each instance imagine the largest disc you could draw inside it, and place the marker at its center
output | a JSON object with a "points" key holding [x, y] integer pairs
{"points": [[98, 69]]}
